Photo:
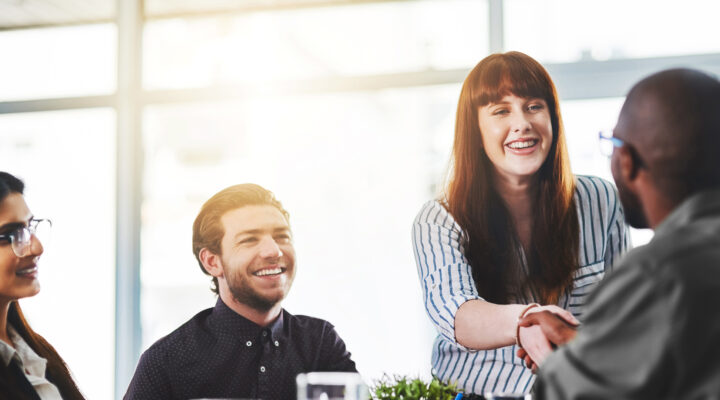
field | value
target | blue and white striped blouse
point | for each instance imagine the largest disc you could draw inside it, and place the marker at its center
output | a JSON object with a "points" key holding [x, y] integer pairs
{"points": [[447, 283]]}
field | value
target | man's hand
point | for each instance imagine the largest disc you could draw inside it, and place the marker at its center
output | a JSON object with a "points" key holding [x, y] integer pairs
{"points": [[556, 328], [543, 329]]}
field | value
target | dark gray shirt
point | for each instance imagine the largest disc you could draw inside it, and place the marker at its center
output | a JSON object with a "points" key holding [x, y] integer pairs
{"points": [[221, 354], [652, 329]]}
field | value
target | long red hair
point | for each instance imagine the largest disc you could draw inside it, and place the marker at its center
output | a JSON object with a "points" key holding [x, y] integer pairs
{"points": [[489, 238]]}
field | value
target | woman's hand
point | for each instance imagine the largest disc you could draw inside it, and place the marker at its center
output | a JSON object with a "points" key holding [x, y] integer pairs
{"points": [[535, 346]]}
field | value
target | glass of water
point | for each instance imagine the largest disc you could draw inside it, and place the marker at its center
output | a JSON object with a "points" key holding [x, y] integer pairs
{"points": [[331, 386]]}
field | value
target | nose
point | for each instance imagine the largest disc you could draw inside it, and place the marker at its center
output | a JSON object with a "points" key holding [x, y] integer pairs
{"points": [[520, 123], [35, 246], [270, 249]]}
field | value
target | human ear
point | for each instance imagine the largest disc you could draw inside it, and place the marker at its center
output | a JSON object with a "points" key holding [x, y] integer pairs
{"points": [[211, 262], [629, 163]]}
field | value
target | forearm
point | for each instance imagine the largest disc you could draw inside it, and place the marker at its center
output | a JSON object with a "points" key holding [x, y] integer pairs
{"points": [[481, 325]]}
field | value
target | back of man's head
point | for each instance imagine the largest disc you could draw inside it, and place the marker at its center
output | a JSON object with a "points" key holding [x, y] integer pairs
{"points": [[208, 230], [672, 119]]}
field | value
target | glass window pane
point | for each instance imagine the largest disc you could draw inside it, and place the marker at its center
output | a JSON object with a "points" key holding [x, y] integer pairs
{"points": [[58, 62], [572, 30], [308, 43], [25, 13], [353, 169], [67, 160]]}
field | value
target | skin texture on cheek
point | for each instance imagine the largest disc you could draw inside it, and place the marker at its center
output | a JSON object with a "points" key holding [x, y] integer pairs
{"points": [[257, 238], [521, 123], [13, 209]]}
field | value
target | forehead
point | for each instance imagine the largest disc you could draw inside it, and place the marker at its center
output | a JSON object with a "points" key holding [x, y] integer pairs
{"points": [[13, 209], [253, 217]]}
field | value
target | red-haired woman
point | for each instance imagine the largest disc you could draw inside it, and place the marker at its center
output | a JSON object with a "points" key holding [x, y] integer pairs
{"points": [[31, 368], [513, 228]]}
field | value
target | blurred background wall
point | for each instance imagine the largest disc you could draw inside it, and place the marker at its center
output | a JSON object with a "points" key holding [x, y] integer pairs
{"points": [[124, 116]]}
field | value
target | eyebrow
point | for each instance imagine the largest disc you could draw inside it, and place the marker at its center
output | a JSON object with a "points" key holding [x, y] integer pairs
{"points": [[256, 231], [11, 227]]}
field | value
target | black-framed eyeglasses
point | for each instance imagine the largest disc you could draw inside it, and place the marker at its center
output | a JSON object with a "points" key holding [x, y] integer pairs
{"points": [[608, 143], [21, 238]]}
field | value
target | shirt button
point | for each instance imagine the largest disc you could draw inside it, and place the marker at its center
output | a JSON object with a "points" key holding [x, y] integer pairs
{"points": [[264, 333], [262, 368], [277, 343], [248, 344]]}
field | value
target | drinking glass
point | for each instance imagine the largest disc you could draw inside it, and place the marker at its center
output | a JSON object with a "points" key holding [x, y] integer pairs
{"points": [[331, 386]]}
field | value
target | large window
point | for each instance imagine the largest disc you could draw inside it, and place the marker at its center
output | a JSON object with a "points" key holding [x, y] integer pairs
{"points": [[572, 30], [351, 168], [58, 62]]}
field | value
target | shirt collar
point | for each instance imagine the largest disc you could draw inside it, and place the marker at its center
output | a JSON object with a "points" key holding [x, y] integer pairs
{"points": [[694, 207], [7, 353], [223, 318]]}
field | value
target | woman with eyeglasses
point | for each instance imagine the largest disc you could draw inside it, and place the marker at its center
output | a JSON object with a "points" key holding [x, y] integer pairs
{"points": [[31, 368], [515, 232]]}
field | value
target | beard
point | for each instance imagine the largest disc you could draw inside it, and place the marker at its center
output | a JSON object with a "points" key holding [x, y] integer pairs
{"points": [[243, 292], [634, 214]]}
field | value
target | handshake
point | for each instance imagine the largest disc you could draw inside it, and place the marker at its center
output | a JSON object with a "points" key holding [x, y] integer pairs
{"points": [[540, 329]]}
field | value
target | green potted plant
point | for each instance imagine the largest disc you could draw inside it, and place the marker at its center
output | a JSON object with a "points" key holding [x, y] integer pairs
{"points": [[405, 388]]}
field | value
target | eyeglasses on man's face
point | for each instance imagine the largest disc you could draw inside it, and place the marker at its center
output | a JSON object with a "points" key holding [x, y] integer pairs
{"points": [[608, 143], [21, 238]]}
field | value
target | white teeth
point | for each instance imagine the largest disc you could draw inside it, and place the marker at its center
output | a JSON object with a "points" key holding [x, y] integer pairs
{"points": [[269, 271], [523, 144]]}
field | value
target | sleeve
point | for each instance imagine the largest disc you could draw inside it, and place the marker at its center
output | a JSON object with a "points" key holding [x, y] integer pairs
{"points": [[445, 274], [618, 235], [334, 355], [621, 349], [150, 380]]}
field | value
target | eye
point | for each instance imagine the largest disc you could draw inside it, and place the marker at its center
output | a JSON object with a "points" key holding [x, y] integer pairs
{"points": [[282, 238], [248, 240], [535, 107], [500, 111]]}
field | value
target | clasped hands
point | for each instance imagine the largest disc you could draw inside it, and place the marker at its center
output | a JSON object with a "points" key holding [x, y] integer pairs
{"points": [[541, 329]]}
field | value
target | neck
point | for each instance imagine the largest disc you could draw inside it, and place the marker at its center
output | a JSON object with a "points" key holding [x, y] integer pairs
{"points": [[4, 310], [656, 206], [260, 317], [516, 192]]}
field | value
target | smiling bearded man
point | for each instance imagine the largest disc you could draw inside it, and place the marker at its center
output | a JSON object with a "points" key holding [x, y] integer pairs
{"points": [[247, 346]]}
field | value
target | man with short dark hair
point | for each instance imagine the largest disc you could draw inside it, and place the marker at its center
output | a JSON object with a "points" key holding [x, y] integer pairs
{"points": [[652, 328], [247, 346]]}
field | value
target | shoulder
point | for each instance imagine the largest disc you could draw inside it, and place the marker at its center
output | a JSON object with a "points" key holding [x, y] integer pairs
{"points": [[434, 213], [597, 199], [180, 341], [594, 189], [683, 262], [305, 324], [679, 255]]}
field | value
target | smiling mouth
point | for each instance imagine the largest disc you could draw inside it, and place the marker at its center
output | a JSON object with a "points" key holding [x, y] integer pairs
{"points": [[270, 271], [522, 144], [27, 271]]}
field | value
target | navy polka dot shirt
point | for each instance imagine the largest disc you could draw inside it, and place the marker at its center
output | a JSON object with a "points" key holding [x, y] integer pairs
{"points": [[219, 353]]}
